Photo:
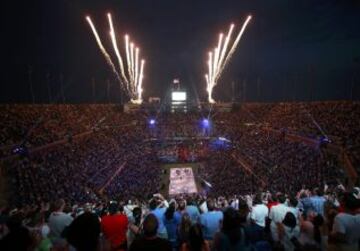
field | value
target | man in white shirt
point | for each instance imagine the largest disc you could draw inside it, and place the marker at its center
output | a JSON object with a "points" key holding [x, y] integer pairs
{"points": [[258, 215], [58, 220], [346, 228], [235, 203], [277, 215], [259, 212]]}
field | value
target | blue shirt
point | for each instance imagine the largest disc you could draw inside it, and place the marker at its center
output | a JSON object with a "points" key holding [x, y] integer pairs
{"points": [[210, 223], [306, 205], [171, 228], [159, 214], [193, 212], [318, 204], [178, 216]]}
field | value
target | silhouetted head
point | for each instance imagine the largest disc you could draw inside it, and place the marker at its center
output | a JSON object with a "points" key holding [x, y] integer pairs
{"points": [[113, 207], [210, 205], [289, 220], [59, 205], [196, 238], [83, 233], [150, 225]]}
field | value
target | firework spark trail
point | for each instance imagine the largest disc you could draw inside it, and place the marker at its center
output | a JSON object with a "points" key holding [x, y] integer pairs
{"points": [[208, 86], [210, 67], [136, 80], [103, 50], [217, 60], [220, 57], [131, 79], [217, 54], [224, 48], [237, 40], [128, 57], [207, 79], [132, 62], [139, 87], [214, 61], [135, 69], [116, 49], [210, 77], [207, 83]]}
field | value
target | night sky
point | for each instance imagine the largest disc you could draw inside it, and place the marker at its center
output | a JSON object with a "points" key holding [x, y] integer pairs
{"points": [[291, 50]]}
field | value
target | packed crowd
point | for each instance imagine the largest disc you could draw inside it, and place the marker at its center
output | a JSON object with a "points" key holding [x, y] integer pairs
{"points": [[338, 120], [37, 125], [84, 165], [80, 170], [103, 154], [321, 219]]}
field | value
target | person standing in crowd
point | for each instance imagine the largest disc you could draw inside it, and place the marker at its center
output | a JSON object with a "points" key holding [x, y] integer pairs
{"points": [[59, 220], [158, 206], [346, 229], [317, 201], [305, 203], [150, 241], [171, 222], [258, 215], [259, 211], [272, 200], [181, 207], [192, 210], [277, 215], [184, 229], [289, 232], [83, 233], [196, 240], [135, 222], [235, 202], [293, 207], [232, 235], [114, 226], [18, 237], [312, 233], [210, 221], [40, 230], [310, 228]]}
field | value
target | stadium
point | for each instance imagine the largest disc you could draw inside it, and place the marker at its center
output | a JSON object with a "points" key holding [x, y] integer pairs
{"points": [[243, 159]]}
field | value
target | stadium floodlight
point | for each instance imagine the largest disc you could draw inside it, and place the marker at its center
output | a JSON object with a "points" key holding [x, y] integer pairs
{"points": [[205, 123]]}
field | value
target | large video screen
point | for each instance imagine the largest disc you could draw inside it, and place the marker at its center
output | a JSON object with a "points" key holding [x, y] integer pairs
{"points": [[182, 181], [178, 96]]}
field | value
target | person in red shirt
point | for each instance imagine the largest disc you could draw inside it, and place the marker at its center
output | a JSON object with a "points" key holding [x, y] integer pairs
{"points": [[272, 201], [114, 226]]}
